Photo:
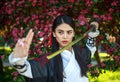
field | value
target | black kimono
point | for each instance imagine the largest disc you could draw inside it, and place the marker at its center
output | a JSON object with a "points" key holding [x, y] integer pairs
{"points": [[47, 72]]}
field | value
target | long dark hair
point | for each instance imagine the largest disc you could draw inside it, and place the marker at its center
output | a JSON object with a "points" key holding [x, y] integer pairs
{"points": [[55, 46]]}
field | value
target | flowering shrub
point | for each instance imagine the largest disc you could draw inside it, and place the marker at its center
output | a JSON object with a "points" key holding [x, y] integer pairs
{"points": [[17, 17]]}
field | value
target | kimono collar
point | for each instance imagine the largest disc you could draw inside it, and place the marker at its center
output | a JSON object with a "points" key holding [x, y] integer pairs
{"points": [[67, 54]]}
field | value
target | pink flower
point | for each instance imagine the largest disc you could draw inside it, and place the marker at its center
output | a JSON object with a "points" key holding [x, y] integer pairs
{"points": [[116, 58], [18, 18], [20, 2], [13, 2], [39, 51], [6, 3], [84, 11], [72, 1], [25, 20], [36, 22], [46, 29], [111, 10], [14, 32], [2, 57], [15, 73], [41, 34], [82, 19], [103, 17], [95, 16], [34, 17], [10, 11], [82, 22], [89, 2], [53, 1], [103, 65], [21, 33], [18, 22], [109, 17], [15, 78], [34, 3], [118, 45], [114, 3], [15, 39], [109, 52], [89, 66]]}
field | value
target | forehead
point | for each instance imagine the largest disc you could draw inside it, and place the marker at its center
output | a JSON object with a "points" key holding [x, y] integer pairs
{"points": [[64, 27]]}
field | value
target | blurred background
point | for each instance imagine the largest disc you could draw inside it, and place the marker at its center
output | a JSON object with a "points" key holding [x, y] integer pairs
{"points": [[18, 16]]}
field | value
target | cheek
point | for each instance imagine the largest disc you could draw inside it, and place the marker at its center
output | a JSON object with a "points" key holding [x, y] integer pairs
{"points": [[58, 38], [71, 37]]}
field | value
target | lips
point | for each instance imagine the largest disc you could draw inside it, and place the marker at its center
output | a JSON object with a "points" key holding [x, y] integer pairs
{"points": [[64, 42]]}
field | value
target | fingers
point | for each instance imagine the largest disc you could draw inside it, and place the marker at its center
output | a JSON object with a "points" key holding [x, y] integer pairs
{"points": [[29, 34], [22, 46], [19, 43], [95, 23], [29, 37], [20, 49], [25, 42]]}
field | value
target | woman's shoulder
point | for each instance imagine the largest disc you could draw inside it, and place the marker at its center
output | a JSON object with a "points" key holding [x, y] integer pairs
{"points": [[82, 51], [80, 47]]}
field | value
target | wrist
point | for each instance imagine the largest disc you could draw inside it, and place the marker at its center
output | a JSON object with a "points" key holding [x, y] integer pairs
{"points": [[91, 41], [19, 66], [17, 61]]}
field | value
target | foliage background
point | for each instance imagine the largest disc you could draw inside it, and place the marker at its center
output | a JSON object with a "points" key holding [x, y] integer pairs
{"points": [[18, 16]]}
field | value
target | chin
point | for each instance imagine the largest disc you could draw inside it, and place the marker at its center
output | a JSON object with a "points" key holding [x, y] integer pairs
{"points": [[64, 45]]}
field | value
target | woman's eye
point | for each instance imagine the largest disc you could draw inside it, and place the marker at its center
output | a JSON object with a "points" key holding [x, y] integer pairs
{"points": [[60, 32], [69, 32]]}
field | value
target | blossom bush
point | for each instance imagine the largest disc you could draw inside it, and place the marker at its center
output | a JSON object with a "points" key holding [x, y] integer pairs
{"points": [[17, 17]]}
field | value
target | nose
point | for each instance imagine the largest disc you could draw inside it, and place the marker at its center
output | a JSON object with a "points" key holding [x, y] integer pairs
{"points": [[65, 35]]}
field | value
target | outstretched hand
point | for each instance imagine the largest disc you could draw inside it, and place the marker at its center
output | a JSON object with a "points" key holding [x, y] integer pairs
{"points": [[22, 46], [95, 33]]}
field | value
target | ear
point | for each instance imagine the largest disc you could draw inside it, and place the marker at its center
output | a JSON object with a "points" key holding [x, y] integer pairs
{"points": [[54, 35]]}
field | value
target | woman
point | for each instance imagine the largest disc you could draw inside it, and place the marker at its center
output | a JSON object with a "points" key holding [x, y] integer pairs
{"points": [[68, 66]]}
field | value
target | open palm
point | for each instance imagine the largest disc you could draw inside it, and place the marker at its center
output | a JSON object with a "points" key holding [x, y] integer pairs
{"points": [[23, 45]]}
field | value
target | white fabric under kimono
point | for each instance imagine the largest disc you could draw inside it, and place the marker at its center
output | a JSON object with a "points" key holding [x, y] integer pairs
{"points": [[71, 69]]}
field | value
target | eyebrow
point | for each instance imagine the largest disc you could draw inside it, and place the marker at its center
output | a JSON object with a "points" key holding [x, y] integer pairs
{"points": [[63, 30]]}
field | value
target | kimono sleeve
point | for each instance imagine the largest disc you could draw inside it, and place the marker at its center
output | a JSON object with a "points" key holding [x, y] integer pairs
{"points": [[86, 53]]}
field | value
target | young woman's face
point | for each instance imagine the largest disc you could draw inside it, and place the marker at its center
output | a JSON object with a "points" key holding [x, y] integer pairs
{"points": [[64, 34]]}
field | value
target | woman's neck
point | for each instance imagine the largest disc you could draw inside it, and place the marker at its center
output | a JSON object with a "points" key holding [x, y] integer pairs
{"points": [[69, 49]]}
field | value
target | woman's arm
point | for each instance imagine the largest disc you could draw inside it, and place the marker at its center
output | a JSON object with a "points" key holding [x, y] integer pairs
{"points": [[21, 65], [91, 40], [36, 68], [91, 43], [18, 58]]}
